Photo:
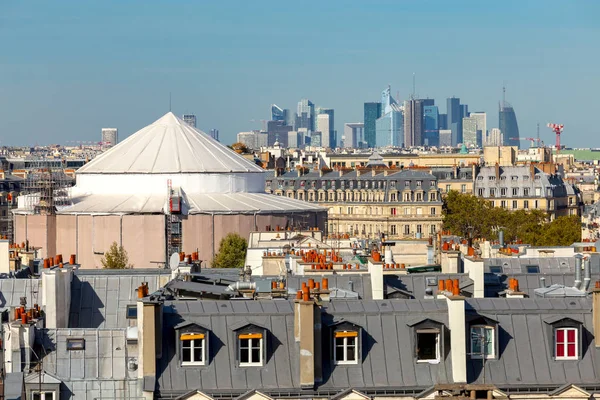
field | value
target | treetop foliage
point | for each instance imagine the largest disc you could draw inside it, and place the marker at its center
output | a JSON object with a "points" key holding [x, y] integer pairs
{"points": [[472, 217]]}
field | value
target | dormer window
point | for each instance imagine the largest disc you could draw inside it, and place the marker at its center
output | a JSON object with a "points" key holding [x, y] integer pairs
{"points": [[250, 347], [345, 347], [192, 344], [566, 343], [428, 340], [483, 342], [193, 348], [565, 337]]}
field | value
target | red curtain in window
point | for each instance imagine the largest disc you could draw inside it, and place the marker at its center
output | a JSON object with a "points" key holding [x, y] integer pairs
{"points": [[566, 343]]}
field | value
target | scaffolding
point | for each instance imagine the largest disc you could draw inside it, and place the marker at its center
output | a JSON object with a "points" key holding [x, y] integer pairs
{"points": [[46, 187]]}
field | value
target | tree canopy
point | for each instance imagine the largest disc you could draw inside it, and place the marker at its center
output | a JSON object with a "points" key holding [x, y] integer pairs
{"points": [[232, 252], [473, 217], [116, 258]]}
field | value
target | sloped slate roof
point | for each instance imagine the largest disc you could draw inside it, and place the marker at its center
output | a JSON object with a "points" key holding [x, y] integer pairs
{"points": [[169, 145]]}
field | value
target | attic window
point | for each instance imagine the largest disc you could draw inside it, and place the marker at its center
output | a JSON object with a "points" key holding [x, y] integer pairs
{"points": [[533, 269], [75, 344], [193, 348], [131, 312], [428, 345], [345, 347], [482, 342], [45, 395], [250, 347], [565, 342]]}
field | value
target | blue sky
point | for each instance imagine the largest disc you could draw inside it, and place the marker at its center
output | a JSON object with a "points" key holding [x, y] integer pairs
{"points": [[69, 68]]}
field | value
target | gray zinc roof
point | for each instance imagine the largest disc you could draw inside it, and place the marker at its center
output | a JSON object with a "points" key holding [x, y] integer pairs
{"points": [[99, 298], [98, 371], [11, 291], [525, 345]]}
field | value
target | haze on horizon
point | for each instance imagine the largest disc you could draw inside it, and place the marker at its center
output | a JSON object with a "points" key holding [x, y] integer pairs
{"points": [[69, 68]]}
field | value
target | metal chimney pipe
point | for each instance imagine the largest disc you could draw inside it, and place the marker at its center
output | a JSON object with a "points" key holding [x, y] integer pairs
{"points": [[587, 274], [578, 259], [543, 282], [501, 238]]}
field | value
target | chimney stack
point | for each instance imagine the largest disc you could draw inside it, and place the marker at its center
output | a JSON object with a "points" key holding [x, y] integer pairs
{"points": [[56, 296], [458, 344], [149, 324], [307, 332], [578, 261], [376, 272], [596, 313]]}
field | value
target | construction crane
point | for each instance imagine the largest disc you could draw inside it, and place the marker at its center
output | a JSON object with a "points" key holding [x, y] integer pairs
{"points": [[532, 140], [557, 129]]}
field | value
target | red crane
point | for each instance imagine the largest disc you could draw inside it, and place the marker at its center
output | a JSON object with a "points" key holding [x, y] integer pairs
{"points": [[557, 129]]}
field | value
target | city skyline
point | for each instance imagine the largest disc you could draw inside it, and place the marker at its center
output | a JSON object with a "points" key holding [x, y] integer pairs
{"points": [[77, 77]]}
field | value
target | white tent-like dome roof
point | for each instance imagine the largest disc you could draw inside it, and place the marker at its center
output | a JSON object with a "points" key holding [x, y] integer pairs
{"points": [[169, 145]]}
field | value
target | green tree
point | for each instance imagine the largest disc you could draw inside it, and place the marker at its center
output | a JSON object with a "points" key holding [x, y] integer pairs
{"points": [[116, 258], [467, 215], [563, 231], [232, 252]]}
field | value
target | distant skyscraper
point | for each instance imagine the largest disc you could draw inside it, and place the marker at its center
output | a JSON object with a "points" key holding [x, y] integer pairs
{"points": [[494, 138], [189, 119], [214, 133], [390, 126], [305, 116], [443, 121], [445, 137], [464, 110], [329, 137], [428, 102], [413, 123], [295, 139], [323, 124], [277, 131], [110, 137], [454, 122], [353, 134], [481, 119], [249, 139], [470, 136], [280, 114], [508, 125], [315, 139], [372, 113], [431, 136]]}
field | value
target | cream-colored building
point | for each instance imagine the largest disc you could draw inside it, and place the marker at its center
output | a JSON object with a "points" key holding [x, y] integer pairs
{"points": [[369, 202]]}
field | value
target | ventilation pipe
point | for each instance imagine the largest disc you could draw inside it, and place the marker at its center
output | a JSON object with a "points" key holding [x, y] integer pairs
{"points": [[578, 259], [587, 274], [501, 238], [241, 286], [543, 282]]}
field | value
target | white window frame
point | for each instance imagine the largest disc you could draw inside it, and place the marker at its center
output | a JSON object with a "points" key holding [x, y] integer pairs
{"points": [[477, 329], [42, 393], [437, 334], [565, 343], [200, 341], [250, 362], [345, 345]]}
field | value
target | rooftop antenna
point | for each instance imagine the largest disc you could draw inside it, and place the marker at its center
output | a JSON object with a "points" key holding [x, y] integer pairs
{"points": [[414, 86], [538, 133], [169, 101], [503, 95]]}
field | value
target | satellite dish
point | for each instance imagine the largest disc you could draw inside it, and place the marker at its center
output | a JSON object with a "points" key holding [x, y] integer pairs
{"points": [[174, 261]]}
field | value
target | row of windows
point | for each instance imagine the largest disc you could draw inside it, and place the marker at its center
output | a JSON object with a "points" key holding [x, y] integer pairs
{"points": [[515, 204], [516, 192], [361, 197], [342, 184], [377, 229], [346, 345], [513, 178]]}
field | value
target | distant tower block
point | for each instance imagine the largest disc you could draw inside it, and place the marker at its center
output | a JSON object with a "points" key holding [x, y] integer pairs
{"points": [[190, 119], [110, 137]]}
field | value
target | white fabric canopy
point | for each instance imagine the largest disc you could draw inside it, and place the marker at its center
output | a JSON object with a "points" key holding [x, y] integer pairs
{"points": [[169, 145]]}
